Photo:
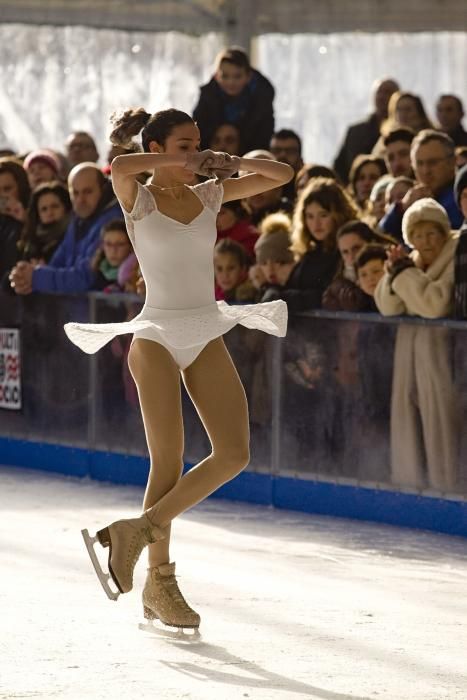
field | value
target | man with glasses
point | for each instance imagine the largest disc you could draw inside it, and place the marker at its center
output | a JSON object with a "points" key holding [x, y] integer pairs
{"points": [[81, 148], [286, 147], [433, 161]]}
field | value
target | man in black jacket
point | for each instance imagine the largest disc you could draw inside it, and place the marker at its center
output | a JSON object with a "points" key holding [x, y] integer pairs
{"points": [[240, 95], [449, 112], [361, 137]]}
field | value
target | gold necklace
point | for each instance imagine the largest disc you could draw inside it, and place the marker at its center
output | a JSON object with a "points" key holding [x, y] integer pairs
{"points": [[162, 189]]}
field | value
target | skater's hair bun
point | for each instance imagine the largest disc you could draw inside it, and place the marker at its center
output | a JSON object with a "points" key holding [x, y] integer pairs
{"points": [[156, 127]]}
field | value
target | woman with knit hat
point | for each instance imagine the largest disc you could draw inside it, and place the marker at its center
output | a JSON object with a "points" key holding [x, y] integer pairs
{"points": [[41, 166], [424, 410]]}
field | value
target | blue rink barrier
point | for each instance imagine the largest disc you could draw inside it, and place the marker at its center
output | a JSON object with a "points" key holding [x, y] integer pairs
{"points": [[351, 415], [444, 515]]}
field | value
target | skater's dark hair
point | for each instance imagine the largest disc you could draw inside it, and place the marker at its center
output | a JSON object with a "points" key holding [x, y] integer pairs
{"points": [[154, 127]]}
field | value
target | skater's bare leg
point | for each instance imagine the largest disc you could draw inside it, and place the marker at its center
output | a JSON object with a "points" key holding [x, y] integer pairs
{"points": [[218, 395], [158, 380]]}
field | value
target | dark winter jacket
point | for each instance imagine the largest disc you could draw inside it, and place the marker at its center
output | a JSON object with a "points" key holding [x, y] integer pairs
{"points": [[307, 281], [459, 136], [360, 138], [69, 270], [10, 230], [344, 295], [251, 111]]}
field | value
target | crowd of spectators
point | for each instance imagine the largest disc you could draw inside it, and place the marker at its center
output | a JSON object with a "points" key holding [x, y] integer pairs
{"points": [[315, 243]]}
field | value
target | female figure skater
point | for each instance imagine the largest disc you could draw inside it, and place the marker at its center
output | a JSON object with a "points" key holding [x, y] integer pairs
{"points": [[172, 225]]}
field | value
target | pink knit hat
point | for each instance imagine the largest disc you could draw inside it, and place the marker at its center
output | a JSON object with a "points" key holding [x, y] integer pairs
{"points": [[44, 155]]}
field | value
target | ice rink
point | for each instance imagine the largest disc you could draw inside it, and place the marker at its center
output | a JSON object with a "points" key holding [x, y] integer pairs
{"points": [[292, 605]]}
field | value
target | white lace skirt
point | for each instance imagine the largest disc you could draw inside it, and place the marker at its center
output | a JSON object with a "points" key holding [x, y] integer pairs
{"points": [[184, 328]]}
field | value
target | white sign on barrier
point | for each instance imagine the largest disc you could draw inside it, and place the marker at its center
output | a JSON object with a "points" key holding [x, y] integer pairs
{"points": [[10, 369]]}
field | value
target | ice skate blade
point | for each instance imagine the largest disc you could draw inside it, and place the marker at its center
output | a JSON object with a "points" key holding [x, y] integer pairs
{"points": [[179, 634], [101, 575]]}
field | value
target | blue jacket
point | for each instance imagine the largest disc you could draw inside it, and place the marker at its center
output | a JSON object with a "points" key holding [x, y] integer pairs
{"points": [[392, 221], [69, 269]]}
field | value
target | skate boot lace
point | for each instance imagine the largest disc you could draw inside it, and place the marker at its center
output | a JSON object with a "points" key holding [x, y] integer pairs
{"points": [[175, 593], [136, 546]]}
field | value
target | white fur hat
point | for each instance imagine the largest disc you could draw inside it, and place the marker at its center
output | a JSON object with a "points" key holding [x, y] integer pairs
{"points": [[425, 209]]}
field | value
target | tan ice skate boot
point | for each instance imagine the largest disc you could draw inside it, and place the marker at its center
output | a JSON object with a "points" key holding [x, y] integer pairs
{"points": [[126, 539], [162, 599]]}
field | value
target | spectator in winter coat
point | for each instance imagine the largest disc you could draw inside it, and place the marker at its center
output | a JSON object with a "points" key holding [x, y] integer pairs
{"points": [[433, 160], [424, 410], [236, 94], [14, 198], [361, 137], [47, 220], [449, 112], [69, 270]]}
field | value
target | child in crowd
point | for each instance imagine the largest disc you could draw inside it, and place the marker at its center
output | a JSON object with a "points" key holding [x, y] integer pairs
{"points": [[240, 95], [231, 272], [369, 266], [233, 223], [274, 259], [113, 253], [344, 292], [397, 189]]}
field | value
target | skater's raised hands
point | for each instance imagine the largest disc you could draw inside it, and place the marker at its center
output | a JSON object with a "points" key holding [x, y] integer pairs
{"points": [[213, 164]]}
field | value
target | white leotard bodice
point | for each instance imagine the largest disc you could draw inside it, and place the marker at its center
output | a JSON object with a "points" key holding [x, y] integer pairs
{"points": [[176, 259]]}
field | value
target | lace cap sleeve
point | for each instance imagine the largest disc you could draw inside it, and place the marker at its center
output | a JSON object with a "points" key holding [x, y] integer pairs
{"points": [[211, 194], [143, 206]]}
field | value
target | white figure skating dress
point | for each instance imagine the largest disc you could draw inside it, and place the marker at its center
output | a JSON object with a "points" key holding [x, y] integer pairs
{"points": [[176, 261]]}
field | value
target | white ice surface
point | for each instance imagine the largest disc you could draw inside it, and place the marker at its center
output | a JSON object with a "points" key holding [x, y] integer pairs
{"points": [[293, 606]]}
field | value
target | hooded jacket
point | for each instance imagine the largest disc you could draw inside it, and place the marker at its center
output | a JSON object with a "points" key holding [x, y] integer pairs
{"points": [[251, 111]]}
